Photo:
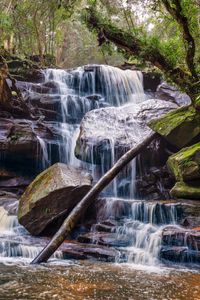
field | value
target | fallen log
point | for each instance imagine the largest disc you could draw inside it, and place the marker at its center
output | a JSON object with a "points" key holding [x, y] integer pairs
{"points": [[81, 207]]}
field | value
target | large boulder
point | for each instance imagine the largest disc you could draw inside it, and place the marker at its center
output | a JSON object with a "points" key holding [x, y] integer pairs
{"points": [[52, 194], [117, 129], [185, 165], [179, 127]]}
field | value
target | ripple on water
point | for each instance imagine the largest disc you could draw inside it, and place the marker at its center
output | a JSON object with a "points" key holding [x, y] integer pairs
{"points": [[85, 280]]}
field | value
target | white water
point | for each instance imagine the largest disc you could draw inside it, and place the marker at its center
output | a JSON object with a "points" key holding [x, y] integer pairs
{"points": [[15, 240], [87, 88], [80, 91], [142, 225]]}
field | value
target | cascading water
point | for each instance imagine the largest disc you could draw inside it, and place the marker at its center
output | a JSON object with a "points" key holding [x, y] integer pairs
{"points": [[79, 91], [15, 240], [91, 87], [140, 223]]}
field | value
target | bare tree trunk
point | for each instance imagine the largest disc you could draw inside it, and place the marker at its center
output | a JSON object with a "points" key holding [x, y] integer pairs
{"points": [[79, 210], [39, 43]]}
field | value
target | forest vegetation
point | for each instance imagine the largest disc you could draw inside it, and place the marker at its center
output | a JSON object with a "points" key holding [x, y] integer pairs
{"points": [[160, 33]]}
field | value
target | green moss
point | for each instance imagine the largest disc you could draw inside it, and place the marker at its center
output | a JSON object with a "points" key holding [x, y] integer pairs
{"points": [[185, 164], [171, 120], [179, 127], [186, 190]]}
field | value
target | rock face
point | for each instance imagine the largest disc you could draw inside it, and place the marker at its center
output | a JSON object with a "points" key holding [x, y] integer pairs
{"points": [[179, 127], [53, 193], [20, 140], [117, 127], [180, 245]]}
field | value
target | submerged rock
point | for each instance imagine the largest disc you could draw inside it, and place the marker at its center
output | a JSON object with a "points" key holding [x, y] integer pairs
{"points": [[179, 127], [117, 128], [52, 194]]}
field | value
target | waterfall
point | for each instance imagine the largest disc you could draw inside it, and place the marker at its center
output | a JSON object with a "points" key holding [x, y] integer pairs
{"points": [[46, 156], [79, 91], [87, 88], [141, 223], [15, 240]]}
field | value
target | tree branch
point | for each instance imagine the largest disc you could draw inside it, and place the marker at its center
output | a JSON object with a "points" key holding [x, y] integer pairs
{"points": [[134, 46], [175, 10]]}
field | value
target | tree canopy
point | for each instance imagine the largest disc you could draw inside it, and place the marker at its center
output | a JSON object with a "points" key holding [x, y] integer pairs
{"points": [[164, 33]]}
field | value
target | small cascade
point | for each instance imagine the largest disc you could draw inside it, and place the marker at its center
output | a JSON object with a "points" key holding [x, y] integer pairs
{"points": [[15, 240], [46, 154], [8, 223], [141, 223]]}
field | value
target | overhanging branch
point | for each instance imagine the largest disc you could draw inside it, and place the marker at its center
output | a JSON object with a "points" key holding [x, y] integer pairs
{"points": [[134, 46], [175, 10]]}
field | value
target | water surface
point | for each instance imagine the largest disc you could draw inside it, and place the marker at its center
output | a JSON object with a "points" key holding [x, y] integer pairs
{"points": [[86, 280]]}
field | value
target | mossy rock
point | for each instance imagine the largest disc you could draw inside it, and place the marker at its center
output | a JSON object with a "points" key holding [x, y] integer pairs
{"points": [[179, 127], [189, 190], [52, 194], [185, 165]]}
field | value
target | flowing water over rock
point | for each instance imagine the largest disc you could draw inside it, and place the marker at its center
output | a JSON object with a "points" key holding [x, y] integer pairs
{"points": [[116, 110]]}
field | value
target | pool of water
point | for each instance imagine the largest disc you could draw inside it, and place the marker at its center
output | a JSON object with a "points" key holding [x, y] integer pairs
{"points": [[87, 280]]}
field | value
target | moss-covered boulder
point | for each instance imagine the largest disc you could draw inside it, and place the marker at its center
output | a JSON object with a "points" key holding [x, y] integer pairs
{"points": [[52, 194], [179, 127], [185, 165], [189, 190]]}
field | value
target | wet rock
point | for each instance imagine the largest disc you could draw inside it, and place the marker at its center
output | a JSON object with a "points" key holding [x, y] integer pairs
{"points": [[89, 251], [105, 239], [179, 127], [15, 182], [9, 201], [7, 197], [20, 139], [191, 221], [171, 93], [46, 102], [94, 97], [178, 236], [106, 226], [151, 80], [180, 254], [52, 194], [98, 134]]}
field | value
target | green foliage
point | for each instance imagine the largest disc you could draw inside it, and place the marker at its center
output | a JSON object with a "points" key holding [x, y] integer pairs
{"points": [[33, 27]]}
